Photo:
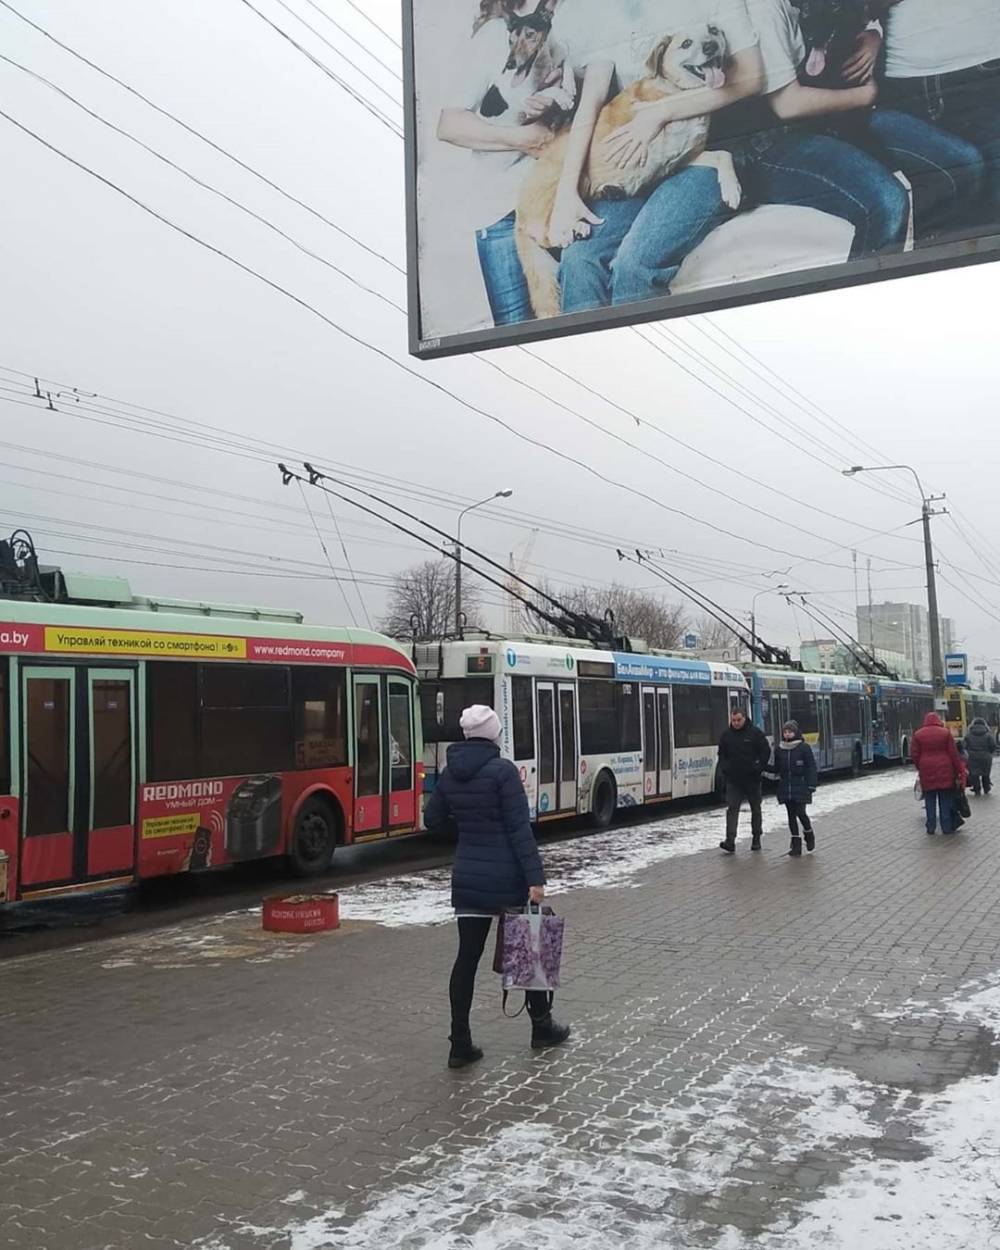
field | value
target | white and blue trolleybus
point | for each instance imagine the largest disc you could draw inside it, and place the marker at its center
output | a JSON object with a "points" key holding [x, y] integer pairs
{"points": [[590, 730]]}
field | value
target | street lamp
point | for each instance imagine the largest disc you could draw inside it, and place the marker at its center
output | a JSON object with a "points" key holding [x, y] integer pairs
{"points": [[768, 590], [500, 494], [926, 512]]}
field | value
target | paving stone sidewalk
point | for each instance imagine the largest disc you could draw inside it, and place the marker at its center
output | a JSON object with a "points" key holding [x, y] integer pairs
{"points": [[745, 1030]]}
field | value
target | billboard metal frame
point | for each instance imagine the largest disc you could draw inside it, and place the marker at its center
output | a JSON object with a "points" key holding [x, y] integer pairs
{"points": [[973, 249]]}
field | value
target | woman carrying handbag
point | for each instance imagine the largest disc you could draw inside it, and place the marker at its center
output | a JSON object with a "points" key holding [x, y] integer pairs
{"points": [[497, 866]]}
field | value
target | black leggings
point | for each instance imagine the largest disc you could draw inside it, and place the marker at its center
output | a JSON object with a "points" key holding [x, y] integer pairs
{"points": [[797, 812], [472, 934]]}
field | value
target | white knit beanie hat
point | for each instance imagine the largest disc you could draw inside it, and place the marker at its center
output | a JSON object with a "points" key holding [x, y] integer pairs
{"points": [[479, 721]]}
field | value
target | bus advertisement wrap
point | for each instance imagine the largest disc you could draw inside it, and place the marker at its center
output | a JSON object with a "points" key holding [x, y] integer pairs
{"points": [[580, 164]]}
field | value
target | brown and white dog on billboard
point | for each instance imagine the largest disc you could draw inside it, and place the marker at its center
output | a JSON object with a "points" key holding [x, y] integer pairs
{"points": [[683, 61]]}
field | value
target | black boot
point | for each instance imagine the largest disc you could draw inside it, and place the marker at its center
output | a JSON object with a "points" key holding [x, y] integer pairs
{"points": [[755, 842], [462, 1050], [547, 1032], [810, 837], [796, 847], [728, 846]]}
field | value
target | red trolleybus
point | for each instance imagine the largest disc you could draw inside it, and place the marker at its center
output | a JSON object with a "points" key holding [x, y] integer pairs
{"points": [[151, 738]]}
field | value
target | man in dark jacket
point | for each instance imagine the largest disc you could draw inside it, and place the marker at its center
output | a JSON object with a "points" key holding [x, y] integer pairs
{"points": [[497, 866], [744, 753], [981, 746]]}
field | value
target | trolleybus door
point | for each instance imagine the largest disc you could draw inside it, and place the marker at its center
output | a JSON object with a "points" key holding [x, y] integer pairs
{"points": [[665, 762], [110, 806], [824, 718], [402, 809], [48, 734], [569, 754], [657, 772], [867, 730], [650, 743], [545, 704], [370, 756], [79, 770], [779, 716]]}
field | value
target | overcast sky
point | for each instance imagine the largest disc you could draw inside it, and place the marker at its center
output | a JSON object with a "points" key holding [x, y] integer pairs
{"points": [[100, 296]]}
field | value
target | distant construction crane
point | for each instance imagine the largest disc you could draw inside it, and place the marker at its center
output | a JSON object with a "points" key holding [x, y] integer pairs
{"points": [[516, 623]]}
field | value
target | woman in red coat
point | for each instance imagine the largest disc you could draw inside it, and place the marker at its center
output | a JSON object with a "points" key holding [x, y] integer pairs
{"points": [[940, 766]]}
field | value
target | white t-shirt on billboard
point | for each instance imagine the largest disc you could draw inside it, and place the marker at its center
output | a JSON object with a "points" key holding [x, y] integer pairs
{"points": [[782, 47], [927, 37], [625, 31], [492, 190]]}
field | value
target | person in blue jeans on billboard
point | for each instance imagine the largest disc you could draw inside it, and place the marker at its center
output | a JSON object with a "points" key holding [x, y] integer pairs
{"points": [[940, 107], [785, 153], [617, 251], [503, 148]]}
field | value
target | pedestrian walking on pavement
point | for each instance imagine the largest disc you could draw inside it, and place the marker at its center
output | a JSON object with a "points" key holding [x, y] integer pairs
{"points": [[981, 746], [744, 753], [940, 766], [797, 780], [497, 866]]}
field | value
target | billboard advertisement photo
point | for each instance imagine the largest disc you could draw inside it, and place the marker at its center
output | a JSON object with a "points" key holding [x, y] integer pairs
{"points": [[578, 164]]}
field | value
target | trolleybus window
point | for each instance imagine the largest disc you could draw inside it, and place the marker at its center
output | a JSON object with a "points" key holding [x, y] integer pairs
{"points": [[609, 718], [246, 720], [319, 707], [846, 714], [173, 720], [720, 713], [600, 725], [459, 693], [523, 716], [692, 716], [802, 710]]}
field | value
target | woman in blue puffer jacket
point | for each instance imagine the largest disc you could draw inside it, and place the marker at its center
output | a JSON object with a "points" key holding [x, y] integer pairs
{"points": [[497, 866], [797, 778]]}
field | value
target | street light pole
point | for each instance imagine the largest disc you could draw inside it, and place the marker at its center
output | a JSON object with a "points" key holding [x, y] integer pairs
{"points": [[768, 590], [927, 511], [500, 494]]}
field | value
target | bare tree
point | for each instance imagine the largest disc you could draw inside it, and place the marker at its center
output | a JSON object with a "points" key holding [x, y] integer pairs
{"points": [[422, 599], [712, 633], [636, 613]]}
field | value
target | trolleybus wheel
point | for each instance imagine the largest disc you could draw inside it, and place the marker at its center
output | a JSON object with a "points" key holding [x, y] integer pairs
{"points": [[314, 838], [856, 762], [602, 810]]}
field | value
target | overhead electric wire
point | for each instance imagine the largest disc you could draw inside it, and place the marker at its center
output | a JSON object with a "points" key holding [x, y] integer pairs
{"points": [[200, 182], [191, 130], [795, 391], [342, 273], [386, 121], [723, 375], [371, 22], [333, 47]]}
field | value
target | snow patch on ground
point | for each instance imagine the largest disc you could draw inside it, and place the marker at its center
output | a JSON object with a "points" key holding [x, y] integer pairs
{"points": [[606, 860], [633, 1180]]}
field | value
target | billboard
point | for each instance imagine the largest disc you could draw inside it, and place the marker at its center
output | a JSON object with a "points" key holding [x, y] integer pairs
{"points": [[579, 164]]}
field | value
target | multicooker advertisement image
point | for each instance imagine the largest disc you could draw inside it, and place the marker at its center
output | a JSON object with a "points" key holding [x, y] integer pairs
{"points": [[582, 163]]}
